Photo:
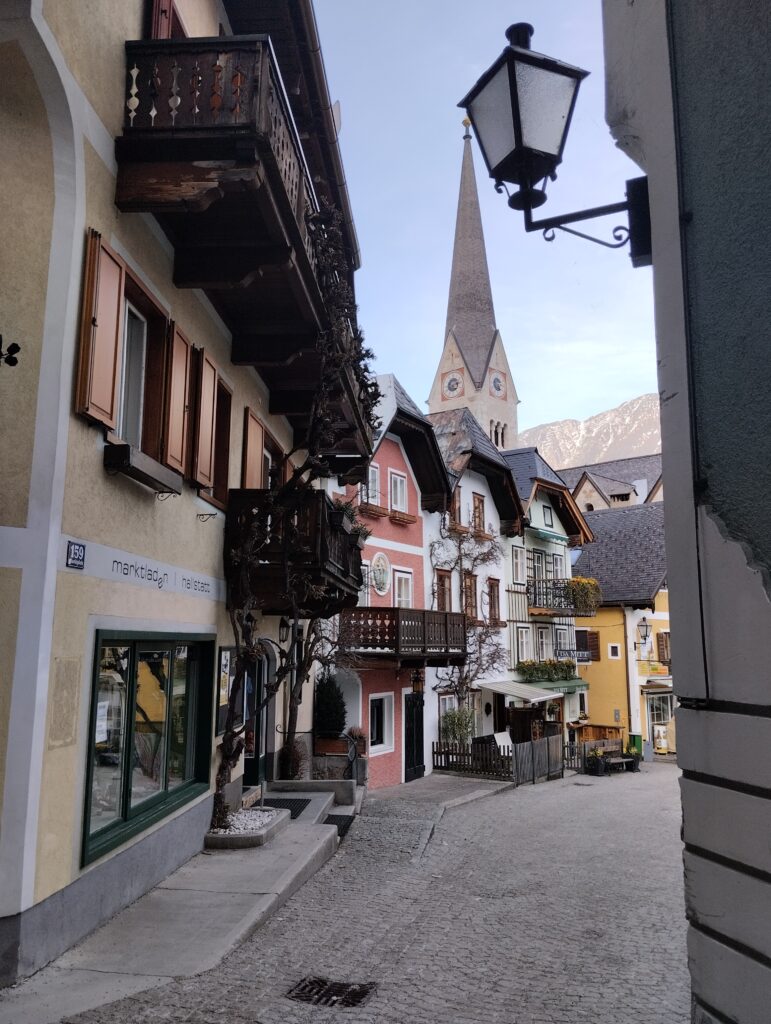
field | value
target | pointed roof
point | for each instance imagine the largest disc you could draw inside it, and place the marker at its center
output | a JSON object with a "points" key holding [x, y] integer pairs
{"points": [[470, 313]]}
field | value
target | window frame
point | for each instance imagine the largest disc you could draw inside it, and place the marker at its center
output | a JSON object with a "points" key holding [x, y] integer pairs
{"points": [[393, 477], [399, 576], [95, 845], [548, 515], [478, 524], [542, 643], [444, 586], [387, 745], [524, 633], [493, 599], [470, 596], [364, 600], [518, 555], [617, 655], [366, 490]]}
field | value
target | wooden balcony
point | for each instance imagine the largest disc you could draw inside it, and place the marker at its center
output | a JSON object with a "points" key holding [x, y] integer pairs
{"points": [[210, 148], [301, 546], [404, 635]]}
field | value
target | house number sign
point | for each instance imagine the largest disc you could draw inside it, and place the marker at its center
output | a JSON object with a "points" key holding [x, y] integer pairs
{"points": [[76, 555], [380, 574]]}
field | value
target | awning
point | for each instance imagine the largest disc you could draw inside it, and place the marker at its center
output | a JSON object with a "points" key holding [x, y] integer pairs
{"points": [[522, 691], [566, 686]]}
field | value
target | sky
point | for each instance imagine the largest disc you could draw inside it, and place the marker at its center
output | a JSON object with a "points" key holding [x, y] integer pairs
{"points": [[576, 319]]}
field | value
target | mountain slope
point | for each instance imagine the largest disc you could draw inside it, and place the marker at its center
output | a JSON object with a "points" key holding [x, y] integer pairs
{"points": [[630, 429]]}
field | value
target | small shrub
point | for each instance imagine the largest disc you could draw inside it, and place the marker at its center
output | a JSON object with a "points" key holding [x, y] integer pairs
{"points": [[293, 760], [457, 725]]}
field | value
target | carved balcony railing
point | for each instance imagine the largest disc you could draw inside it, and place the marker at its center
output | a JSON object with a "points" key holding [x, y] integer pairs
{"points": [[209, 99], [555, 597], [297, 554], [405, 635]]}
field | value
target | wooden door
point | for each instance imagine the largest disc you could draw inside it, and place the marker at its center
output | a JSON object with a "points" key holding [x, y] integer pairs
{"points": [[414, 767]]}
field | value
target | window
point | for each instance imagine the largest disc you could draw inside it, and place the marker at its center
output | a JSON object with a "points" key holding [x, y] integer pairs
{"points": [[524, 648], [539, 565], [494, 600], [398, 492], [544, 646], [149, 734], [381, 723], [139, 376], [587, 645], [443, 590], [403, 589], [478, 513], [661, 708], [218, 492], [364, 600], [581, 703], [562, 640], [260, 453], [558, 562], [455, 508], [470, 595], [370, 492], [548, 517], [447, 702], [589, 507], [518, 565], [614, 651]]}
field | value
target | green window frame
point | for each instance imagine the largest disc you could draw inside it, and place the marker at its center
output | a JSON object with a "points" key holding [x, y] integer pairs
{"points": [[150, 732]]}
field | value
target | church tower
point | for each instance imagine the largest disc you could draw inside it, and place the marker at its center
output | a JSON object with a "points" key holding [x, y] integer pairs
{"points": [[473, 371]]}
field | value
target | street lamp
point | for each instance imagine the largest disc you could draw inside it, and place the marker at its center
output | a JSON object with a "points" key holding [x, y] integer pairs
{"points": [[520, 110], [643, 632]]}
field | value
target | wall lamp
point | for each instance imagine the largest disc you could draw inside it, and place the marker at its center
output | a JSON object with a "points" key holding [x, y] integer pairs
{"points": [[643, 632], [520, 110]]}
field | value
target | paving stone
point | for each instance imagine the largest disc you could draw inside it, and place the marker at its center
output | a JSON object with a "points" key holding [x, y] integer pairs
{"points": [[551, 904]]}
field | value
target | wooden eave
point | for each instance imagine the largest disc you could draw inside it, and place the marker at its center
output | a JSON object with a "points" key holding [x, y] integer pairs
{"points": [[504, 493], [576, 527], [425, 458]]}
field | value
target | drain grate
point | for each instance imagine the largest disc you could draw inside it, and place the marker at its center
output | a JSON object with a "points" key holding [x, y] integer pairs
{"points": [[343, 822], [322, 992], [295, 807]]}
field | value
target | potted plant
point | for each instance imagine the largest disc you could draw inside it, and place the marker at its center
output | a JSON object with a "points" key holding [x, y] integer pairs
{"points": [[595, 762], [329, 717], [631, 751], [346, 514]]}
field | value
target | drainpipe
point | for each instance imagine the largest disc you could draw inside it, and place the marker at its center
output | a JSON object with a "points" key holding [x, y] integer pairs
{"points": [[626, 671]]}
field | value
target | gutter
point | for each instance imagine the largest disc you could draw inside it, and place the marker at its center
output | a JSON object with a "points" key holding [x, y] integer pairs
{"points": [[330, 130], [628, 677]]}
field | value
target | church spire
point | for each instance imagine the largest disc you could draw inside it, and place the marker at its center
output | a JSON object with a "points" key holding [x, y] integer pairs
{"points": [[470, 313]]}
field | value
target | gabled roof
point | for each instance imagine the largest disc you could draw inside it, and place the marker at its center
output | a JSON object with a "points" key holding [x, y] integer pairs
{"points": [[531, 471], [641, 467], [399, 415], [627, 557], [465, 445], [470, 313]]}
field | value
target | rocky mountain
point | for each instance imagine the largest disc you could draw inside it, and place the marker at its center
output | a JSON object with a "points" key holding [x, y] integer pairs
{"points": [[632, 428]]}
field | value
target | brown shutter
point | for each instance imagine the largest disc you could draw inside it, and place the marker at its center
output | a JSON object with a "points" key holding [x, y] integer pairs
{"points": [[593, 644], [160, 19], [662, 644], [101, 333], [206, 413], [177, 413], [254, 440]]}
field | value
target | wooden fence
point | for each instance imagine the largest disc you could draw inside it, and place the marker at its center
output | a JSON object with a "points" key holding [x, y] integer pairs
{"points": [[533, 761], [575, 754]]}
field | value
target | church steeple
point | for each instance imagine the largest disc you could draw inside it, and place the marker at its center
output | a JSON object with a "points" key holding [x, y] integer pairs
{"points": [[473, 371], [470, 313]]}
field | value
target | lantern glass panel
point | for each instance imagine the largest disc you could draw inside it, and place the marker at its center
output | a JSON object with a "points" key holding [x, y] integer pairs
{"points": [[491, 114], [545, 99]]}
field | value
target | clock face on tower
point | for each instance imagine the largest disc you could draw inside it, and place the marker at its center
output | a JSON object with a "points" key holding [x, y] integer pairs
{"points": [[497, 384], [452, 384]]}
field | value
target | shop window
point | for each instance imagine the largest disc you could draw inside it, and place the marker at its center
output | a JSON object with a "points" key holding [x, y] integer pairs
{"points": [[149, 734], [381, 723]]}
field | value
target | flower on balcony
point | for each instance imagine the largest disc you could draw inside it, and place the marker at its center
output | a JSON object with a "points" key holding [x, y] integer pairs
{"points": [[551, 670], [584, 594]]}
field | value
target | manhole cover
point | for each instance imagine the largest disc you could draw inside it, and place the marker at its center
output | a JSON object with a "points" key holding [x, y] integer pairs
{"points": [[322, 992], [295, 807], [343, 822]]}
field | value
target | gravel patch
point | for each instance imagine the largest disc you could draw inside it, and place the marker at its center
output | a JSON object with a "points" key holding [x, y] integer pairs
{"points": [[246, 820]]}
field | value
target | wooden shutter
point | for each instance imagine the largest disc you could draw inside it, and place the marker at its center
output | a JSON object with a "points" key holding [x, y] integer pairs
{"points": [[662, 644], [593, 644], [101, 333], [177, 412], [254, 442], [206, 418]]}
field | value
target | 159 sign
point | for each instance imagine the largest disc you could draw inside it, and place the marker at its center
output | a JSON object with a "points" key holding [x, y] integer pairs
{"points": [[76, 555]]}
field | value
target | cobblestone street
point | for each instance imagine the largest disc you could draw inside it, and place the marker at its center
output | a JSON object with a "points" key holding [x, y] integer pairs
{"points": [[554, 904]]}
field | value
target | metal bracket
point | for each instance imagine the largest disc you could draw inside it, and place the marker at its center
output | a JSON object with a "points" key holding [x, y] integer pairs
{"points": [[204, 517]]}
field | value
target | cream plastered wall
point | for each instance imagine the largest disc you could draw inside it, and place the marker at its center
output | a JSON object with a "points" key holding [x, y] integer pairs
{"points": [[589, 495], [606, 677], [26, 210], [10, 588], [202, 17], [115, 510], [82, 605]]}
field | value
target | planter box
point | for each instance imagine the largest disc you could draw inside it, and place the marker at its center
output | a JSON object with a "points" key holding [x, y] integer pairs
{"points": [[244, 840], [330, 745]]}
